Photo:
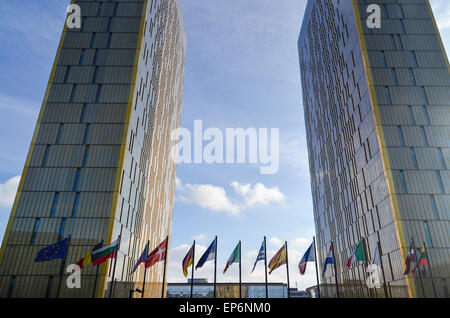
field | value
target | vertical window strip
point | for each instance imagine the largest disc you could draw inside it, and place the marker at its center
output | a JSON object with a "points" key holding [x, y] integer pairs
{"points": [[44, 160], [400, 43], [403, 26], [77, 177], [61, 229], [400, 133], [412, 77], [115, 9], [425, 113], [388, 95], [99, 10], [67, 74], [75, 204], [402, 177], [383, 57], [413, 155], [35, 229], [441, 156], [86, 152], [58, 137], [49, 286], [411, 115], [55, 202], [414, 58], [83, 111], [94, 61], [394, 75], [99, 90], [425, 97], [94, 77], [434, 206], [86, 133], [92, 40], [427, 232], [425, 140], [83, 54], [108, 29], [11, 286], [108, 44], [394, 44], [72, 95], [441, 185]]}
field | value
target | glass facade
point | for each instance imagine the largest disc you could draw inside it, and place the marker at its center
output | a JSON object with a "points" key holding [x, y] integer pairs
{"points": [[376, 105], [99, 166], [226, 290]]}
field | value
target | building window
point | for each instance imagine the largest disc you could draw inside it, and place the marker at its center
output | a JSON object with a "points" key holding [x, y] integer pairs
{"points": [[425, 113], [388, 95], [86, 152], [383, 58], [99, 10], [83, 54], [414, 58], [394, 75], [61, 229], [67, 74], [75, 204], [72, 95], [35, 229], [413, 155], [412, 77], [99, 90], [49, 286], [94, 77], [427, 231], [425, 140], [434, 206], [441, 185], [411, 115], [55, 202], [86, 132], [58, 138], [403, 26], [109, 41], [77, 176], [92, 41], [400, 134], [400, 43], [11, 287], [44, 160], [402, 178], [425, 98], [441, 156], [83, 111], [94, 60]]}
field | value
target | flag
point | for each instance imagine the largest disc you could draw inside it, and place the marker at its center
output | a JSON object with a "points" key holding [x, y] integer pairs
{"points": [[411, 258], [234, 257], [208, 255], [187, 261], [377, 256], [423, 259], [278, 259], [54, 251], [329, 259], [307, 257], [100, 255], [158, 254], [87, 259], [141, 258], [261, 255], [358, 255]]}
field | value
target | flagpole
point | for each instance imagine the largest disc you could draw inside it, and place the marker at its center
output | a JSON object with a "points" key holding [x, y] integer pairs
{"points": [[61, 271], [145, 270], [418, 267], [382, 270], [431, 272], [287, 269], [165, 265], [317, 270], [192, 275], [215, 268], [114, 270], [94, 292], [240, 269], [335, 270], [366, 264], [265, 267]]}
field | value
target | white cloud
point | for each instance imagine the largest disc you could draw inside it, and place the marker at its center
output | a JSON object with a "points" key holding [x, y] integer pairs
{"points": [[441, 10], [215, 198], [258, 194], [8, 191], [199, 237]]}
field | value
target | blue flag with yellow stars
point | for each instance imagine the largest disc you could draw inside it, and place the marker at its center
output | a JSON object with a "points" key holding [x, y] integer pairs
{"points": [[54, 251]]}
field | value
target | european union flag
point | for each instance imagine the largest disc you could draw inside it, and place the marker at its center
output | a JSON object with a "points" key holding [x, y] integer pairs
{"points": [[54, 251]]}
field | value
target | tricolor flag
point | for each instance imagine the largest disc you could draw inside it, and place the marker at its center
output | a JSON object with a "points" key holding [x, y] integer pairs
{"points": [[188, 260], [329, 259], [141, 259], [100, 255], [234, 257], [278, 259], [158, 254], [87, 259], [358, 255], [423, 259], [209, 255], [261, 255], [307, 257], [411, 258]]}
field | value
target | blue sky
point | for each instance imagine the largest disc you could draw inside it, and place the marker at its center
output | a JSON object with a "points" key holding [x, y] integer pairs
{"points": [[241, 71]]}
